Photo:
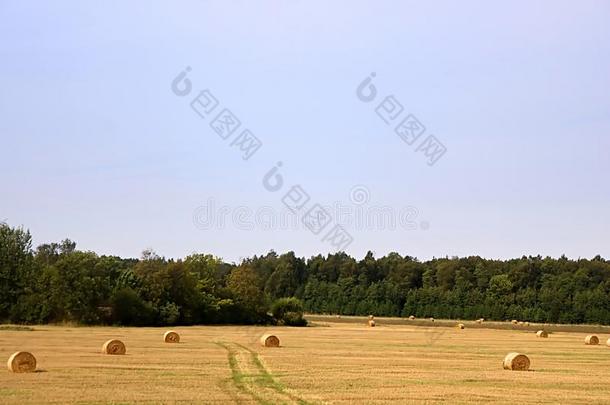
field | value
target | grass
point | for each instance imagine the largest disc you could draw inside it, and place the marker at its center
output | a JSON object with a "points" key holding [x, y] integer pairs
{"points": [[237, 376], [252, 380], [338, 362], [17, 328], [533, 326]]}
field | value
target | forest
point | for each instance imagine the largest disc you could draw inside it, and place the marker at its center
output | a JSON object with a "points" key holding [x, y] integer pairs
{"points": [[57, 283]]}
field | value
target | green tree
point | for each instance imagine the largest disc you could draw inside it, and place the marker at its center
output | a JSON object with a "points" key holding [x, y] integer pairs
{"points": [[16, 266], [288, 311], [245, 286]]}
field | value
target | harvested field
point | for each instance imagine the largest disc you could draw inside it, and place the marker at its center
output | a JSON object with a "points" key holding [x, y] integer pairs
{"points": [[334, 361]]}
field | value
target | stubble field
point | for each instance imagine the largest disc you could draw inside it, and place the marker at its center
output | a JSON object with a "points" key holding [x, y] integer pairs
{"points": [[334, 361]]}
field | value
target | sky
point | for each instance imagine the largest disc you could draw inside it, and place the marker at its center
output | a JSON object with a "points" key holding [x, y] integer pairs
{"points": [[101, 143]]}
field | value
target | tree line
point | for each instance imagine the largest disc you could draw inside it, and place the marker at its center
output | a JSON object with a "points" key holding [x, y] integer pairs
{"points": [[55, 282]]}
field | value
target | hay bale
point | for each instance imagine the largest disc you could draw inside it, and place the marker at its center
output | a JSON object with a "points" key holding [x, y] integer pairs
{"points": [[171, 337], [608, 342], [371, 323], [514, 322], [480, 320], [270, 341], [22, 362], [411, 318], [516, 362], [371, 317], [114, 346], [542, 334], [521, 323], [431, 319], [591, 340], [460, 326]]}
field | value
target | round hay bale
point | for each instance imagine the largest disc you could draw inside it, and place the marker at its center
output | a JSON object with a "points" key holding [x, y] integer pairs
{"points": [[460, 326], [371, 323], [270, 341], [114, 346], [371, 317], [171, 337], [521, 323], [591, 340], [22, 362], [431, 319], [527, 324], [608, 342], [516, 362], [542, 334], [411, 318], [479, 320], [514, 322]]}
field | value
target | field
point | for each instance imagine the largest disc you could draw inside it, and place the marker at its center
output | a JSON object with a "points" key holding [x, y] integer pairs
{"points": [[334, 361]]}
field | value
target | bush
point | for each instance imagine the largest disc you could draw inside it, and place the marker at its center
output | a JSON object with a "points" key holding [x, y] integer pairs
{"points": [[169, 314], [288, 311], [129, 309]]}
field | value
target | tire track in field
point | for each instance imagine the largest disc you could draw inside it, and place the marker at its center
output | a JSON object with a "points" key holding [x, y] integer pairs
{"points": [[252, 378]]}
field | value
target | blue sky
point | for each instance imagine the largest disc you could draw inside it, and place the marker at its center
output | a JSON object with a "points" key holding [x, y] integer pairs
{"points": [[96, 146]]}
